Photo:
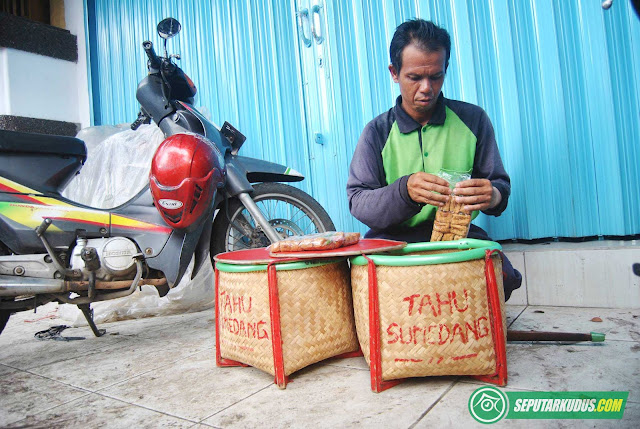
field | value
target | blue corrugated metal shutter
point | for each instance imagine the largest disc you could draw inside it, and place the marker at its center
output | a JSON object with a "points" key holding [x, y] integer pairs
{"points": [[242, 56], [558, 79]]}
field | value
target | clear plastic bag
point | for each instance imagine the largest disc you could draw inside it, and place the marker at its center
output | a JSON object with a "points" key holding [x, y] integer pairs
{"points": [[453, 177], [188, 296], [318, 241], [117, 168], [452, 222]]}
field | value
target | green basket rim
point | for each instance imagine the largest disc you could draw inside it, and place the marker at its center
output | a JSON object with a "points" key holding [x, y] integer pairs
{"points": [[284, 266], [471, 249]]}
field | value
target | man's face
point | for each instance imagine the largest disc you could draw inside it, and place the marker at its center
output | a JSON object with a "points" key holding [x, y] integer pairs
{"points": [[420, 78]]}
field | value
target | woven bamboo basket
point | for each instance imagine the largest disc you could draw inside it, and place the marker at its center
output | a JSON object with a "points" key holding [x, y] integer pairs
{"points": [[283, 317], [431, 309]]}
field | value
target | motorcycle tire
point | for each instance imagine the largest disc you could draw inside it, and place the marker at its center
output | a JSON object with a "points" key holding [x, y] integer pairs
{"points": [[4, 318], [16, 305], [290, 210]]}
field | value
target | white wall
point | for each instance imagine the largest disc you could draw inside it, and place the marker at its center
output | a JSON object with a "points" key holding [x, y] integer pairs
{"points": [[39, 87], [74, 17], [36, 86]]}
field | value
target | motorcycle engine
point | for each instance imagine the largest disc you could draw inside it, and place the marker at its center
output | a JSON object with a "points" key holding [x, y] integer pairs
{"points": [[115, 255]]}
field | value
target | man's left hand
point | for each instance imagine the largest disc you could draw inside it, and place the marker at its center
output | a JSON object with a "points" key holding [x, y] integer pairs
{"points": [[476, 194]]}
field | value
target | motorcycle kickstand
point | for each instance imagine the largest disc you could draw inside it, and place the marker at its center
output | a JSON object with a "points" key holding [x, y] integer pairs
{"points": [[88, 314]]}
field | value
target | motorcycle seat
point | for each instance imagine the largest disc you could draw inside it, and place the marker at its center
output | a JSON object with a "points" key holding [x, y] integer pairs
{"points": [[19, 142]]}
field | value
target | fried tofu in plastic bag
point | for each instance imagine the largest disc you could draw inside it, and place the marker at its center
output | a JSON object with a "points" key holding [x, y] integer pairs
{"points": [[452, 222], [315, 242]]}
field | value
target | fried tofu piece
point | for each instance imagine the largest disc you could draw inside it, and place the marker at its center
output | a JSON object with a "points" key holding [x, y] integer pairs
{"points": [[451, 222]]}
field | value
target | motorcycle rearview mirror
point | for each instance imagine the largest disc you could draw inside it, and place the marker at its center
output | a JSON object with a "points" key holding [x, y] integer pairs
{"points": [[167, 28]]}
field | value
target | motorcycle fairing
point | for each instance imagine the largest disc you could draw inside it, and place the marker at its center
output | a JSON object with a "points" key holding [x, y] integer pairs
{"points": [[255, 170], [21, 213], [210, 130], [258, 170], [149, 94], [201, 254], [184, 244]]}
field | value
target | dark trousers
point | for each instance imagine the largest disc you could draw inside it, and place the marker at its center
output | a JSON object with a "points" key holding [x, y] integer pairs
{"points": [[511, 278]]}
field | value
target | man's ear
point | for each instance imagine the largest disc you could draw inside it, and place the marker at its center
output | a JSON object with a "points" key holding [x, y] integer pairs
{"points": [[394, 73]]}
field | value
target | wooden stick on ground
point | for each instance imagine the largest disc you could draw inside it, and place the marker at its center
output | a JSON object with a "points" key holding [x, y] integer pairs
{"points": [[553, 336]]}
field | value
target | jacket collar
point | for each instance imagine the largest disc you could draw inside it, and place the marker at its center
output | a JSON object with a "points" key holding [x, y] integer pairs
{"points": [[406, 124]]}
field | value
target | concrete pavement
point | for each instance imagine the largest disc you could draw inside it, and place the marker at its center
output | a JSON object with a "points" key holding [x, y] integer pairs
{"points": [[160, 372]]}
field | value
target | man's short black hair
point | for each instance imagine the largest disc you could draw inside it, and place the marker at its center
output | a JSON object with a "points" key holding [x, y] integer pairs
{"points": [[424, 34]]}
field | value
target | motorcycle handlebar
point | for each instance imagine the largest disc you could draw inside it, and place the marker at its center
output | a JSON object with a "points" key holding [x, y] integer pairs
{"points": [[154, 60]]}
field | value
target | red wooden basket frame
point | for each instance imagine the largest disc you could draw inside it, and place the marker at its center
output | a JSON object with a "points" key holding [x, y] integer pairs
{"points": [[276, 334], [499, 377]]}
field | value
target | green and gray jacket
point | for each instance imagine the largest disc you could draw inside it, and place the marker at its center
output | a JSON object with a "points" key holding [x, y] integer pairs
{"points": [[458, 137]]}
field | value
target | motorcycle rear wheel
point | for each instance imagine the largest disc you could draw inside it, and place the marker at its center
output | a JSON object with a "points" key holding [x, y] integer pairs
{"points": [[4, 318], [290, 210]]}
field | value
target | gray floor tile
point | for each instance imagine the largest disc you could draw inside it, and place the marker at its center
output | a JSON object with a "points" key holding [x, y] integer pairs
{"points": [[20, 349], [192, 388], [354, 363], [6, 370], [513, 312], [198, 330], [612, 365], [147, 325], [31, 352], [129, 358], [323, 396], [182, 381], [452, 411], [23, 394], [95, 411], [631, 418], [617, 324]]}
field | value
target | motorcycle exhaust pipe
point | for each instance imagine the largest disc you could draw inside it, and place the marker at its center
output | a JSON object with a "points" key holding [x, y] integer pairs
{"points": [[12, 286], [82, 285], [109, 295]]}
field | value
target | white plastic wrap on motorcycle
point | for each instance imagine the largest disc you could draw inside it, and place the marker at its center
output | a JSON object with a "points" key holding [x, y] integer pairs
{"points": [[189, 296], [117, 168]]}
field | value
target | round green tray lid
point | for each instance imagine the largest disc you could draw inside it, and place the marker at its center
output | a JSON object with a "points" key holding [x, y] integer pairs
{"points": [[469, 250]]}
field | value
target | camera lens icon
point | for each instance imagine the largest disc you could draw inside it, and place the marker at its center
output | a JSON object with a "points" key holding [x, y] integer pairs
{"points": [[488, 404]]}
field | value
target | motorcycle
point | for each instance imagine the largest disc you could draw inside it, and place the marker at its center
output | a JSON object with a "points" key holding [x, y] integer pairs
{"points": [[203, 199]]}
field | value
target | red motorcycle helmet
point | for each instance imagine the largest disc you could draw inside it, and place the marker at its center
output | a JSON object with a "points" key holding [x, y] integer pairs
{"points": [[185, 174]]}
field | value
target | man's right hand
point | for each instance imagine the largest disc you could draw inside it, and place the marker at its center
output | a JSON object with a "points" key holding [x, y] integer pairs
{"points": [[425, 188]]}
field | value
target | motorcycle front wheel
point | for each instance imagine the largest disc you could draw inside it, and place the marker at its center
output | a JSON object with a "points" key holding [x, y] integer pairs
{"points": [[289, 210]]}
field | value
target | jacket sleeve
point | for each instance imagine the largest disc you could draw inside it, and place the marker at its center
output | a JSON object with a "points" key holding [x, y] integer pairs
{"points": [[371, 200], [488, 164]]}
